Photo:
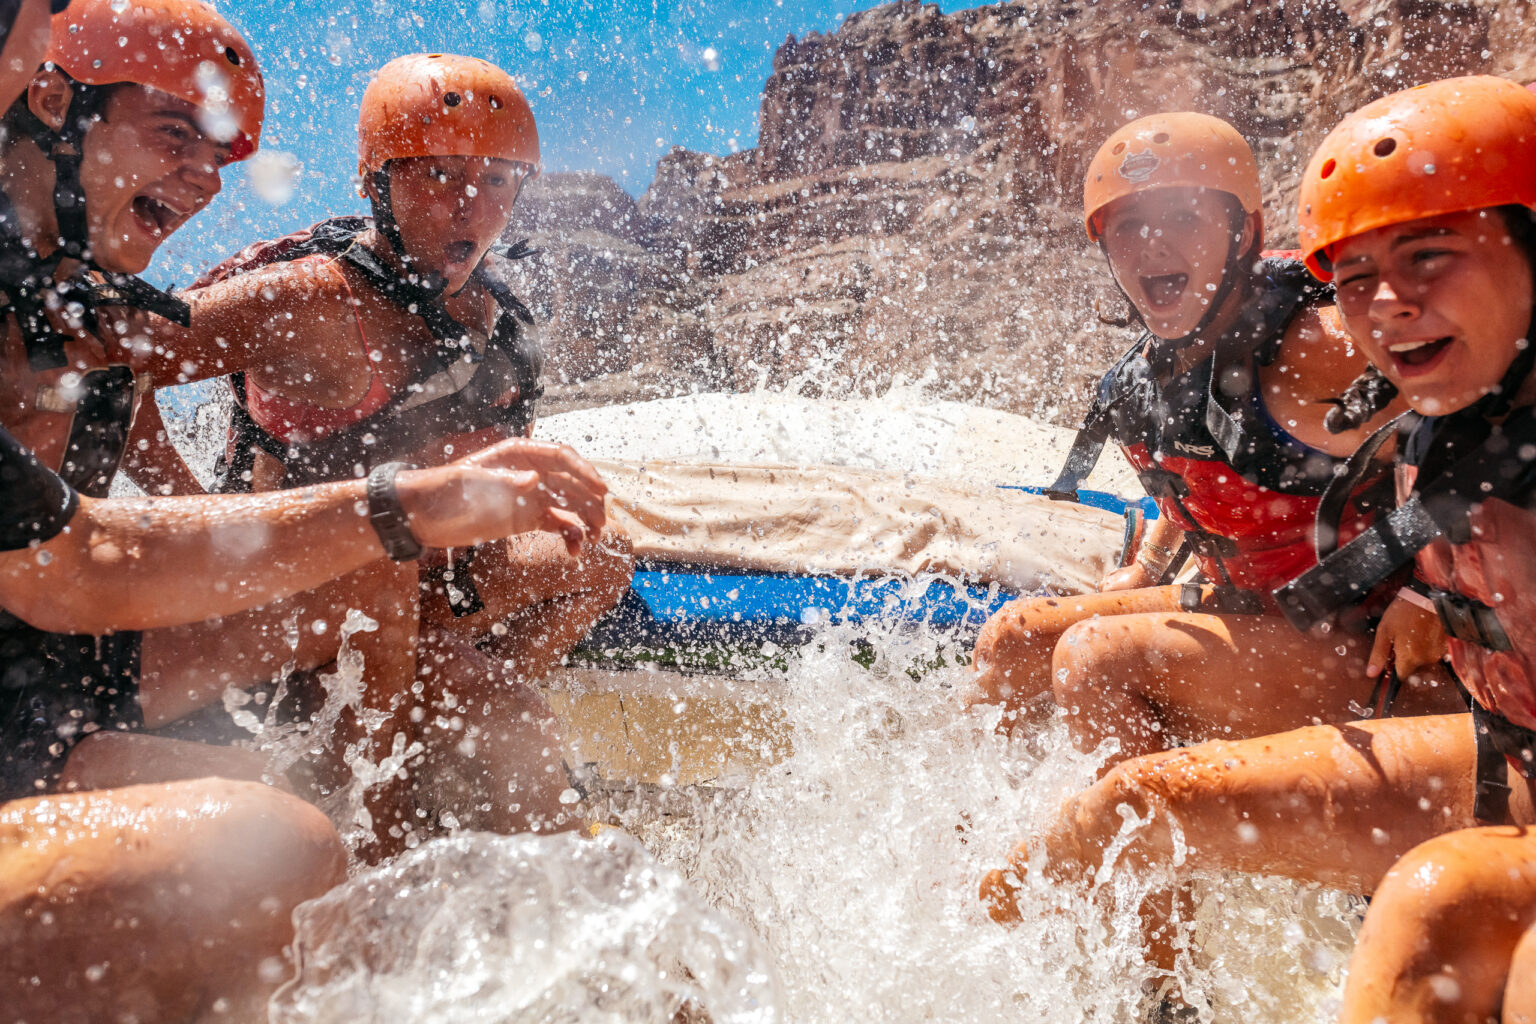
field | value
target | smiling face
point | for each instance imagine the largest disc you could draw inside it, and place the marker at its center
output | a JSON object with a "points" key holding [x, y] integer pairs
{"points": [[148, 167], [451, 209], [1438, 304], [1168, 249]]}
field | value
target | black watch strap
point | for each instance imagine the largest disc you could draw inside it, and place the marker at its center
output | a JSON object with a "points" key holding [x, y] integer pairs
{"points": [[388, 516]]}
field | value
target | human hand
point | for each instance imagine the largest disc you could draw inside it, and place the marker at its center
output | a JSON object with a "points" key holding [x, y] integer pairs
{"points": [[517, 486], [1130, 577], [1410, 635], [1000, 888]]}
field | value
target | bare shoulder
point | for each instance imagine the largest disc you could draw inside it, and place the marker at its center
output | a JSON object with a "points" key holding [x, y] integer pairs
{"points": [[1317, 354], [307, 284]]}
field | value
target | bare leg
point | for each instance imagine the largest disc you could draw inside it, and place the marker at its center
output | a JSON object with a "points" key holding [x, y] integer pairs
{"points": [[162, 902], [539, 601], [189, 667], [1335, 804], [1436, 947], [493, 756], [112, 760], [1148, 679], [1013, 652], [1520, 989]]}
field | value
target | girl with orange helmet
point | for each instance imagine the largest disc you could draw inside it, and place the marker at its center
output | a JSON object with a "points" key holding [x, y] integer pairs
{"points": [[1235, 346], [1419, 207], [363, 344]]}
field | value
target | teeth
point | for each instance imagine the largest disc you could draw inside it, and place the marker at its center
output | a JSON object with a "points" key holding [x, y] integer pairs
{"points": [[1408, 346]]}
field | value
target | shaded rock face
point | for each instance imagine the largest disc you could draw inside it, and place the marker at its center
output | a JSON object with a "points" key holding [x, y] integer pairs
{"points": [[912, 210]]}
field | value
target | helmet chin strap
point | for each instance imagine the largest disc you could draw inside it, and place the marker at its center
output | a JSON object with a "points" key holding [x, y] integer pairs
{"points": [[384, 219], [27, 277], [1231, 273]]}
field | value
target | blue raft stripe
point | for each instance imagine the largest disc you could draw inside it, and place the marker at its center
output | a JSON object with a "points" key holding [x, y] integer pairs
{"points": [[1096, 499], [672, 596], [694, 594]]}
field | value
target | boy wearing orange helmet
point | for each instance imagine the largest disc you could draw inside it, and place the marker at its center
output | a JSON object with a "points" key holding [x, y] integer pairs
{"points": [[203, 874], [1235, 346], [1419, 207], [392, 338]]}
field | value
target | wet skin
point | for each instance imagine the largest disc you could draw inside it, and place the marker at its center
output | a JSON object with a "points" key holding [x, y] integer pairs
{"points": [[155, 902], [1127, 662], [1439, 304], [1168, 249], [318, 333], [1340, 804], [204, 874], [1449, 935]]}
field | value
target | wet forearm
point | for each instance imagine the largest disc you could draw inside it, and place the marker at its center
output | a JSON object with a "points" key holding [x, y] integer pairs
{"points": [[142, 564]]}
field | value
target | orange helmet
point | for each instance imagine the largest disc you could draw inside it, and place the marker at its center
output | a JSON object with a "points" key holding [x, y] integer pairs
{"points": [[1179, 150], [180, 47], [1449, 146], [439, 104]]}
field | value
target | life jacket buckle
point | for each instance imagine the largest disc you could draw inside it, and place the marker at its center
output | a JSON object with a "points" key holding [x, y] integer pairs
{"points": [[1470, 621]]}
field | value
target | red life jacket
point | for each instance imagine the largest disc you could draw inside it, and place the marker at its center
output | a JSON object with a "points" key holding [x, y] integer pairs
{"points": [[1495, 568], [354, 441], [1245, 492]]}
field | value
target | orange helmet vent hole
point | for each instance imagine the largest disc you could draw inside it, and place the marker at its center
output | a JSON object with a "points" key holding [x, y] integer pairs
{"points": [[1328, 169], [1385, 147]]}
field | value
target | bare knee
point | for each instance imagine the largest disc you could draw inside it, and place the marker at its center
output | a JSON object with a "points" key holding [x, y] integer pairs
{"points": [[276, 846], [1443, 924], [608, 562], [183, 889], [1081, 663], [1442, 888]]}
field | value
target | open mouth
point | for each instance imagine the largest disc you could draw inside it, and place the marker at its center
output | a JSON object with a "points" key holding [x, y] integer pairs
{"points": [[459, 252], [1164, 290], [155, 217], [1418, 354]]}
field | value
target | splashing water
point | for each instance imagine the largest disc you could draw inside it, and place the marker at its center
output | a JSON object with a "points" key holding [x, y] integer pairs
{"points": [[525, 928], [856, 861]]}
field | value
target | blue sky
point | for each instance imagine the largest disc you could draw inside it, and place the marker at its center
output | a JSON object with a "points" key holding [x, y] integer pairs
{"points": [[614, 85]]}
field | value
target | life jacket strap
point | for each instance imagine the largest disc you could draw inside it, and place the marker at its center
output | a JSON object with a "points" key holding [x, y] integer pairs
{"points": [[1439, 508], [1500, 744], [1470, 620]]}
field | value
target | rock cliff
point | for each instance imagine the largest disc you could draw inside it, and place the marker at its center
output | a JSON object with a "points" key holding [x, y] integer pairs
{"points": [[910, 213]]}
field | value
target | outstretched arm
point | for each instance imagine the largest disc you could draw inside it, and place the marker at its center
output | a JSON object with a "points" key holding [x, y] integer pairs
{"points": [[291, 323], [147, 563]]}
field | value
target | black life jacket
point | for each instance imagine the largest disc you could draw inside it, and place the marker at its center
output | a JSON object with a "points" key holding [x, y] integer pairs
{"points": [[1210, 415], [511, 359], [1466, 457], [56, 688]]}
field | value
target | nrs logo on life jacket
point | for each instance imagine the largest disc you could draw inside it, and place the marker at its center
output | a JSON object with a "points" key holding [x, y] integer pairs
{"points": [[1138, 167], [1204, 451]]}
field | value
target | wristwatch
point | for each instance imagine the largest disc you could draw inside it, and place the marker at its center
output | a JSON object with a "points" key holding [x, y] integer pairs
{"points": [[388, 516]]}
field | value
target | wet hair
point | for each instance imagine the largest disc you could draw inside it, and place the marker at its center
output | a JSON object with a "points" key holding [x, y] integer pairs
{"points": [[1366, 396], [1372, 392]]}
